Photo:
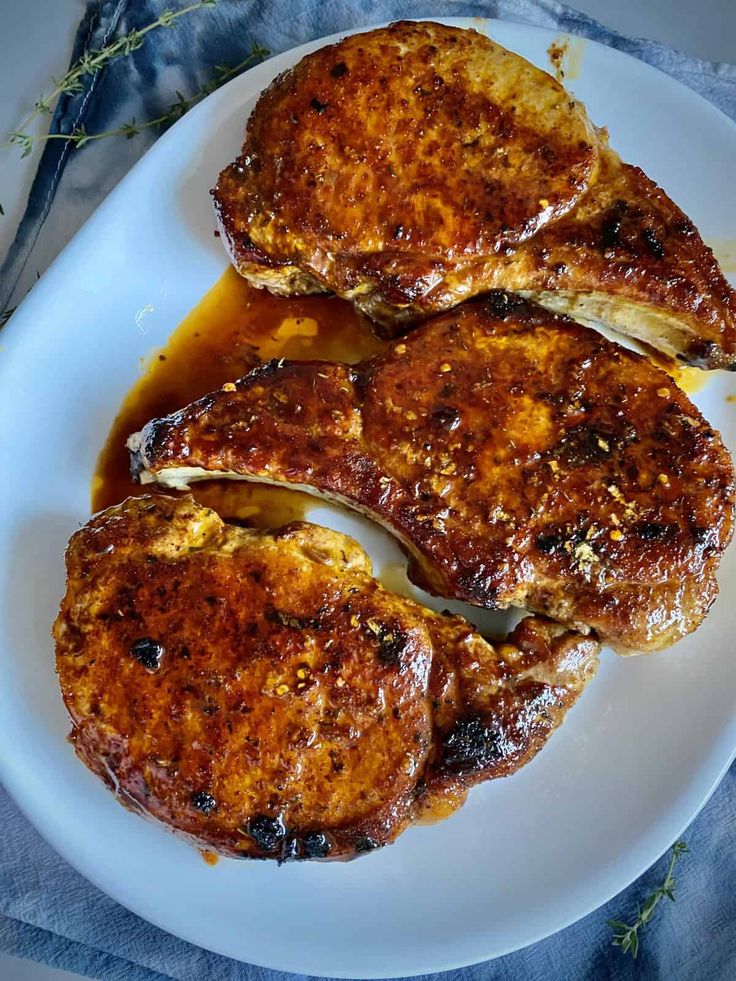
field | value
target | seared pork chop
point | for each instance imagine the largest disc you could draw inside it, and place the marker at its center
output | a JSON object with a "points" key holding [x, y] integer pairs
{"points": [[522, 459], [264, 696], [414, 166]]}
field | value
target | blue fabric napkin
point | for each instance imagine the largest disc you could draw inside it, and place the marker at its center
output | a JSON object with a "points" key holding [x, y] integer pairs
{"points": [[70, 184], [48, 912]]}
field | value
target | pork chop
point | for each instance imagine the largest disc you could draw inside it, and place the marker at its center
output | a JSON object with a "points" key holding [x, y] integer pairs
{"points": [[521, 459], [415, 166], [261, 694]]}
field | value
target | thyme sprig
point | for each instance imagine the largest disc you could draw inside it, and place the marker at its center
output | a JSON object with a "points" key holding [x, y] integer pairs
{"points": [[79, 136], [627, 937], [91, 62]]}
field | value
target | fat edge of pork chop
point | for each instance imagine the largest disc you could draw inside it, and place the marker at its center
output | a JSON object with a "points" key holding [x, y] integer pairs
{"points": [[263, 696], [436, 190], [521, 459]]}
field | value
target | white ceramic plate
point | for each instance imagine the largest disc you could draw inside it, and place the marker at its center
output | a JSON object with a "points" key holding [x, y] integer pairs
{"points": [[526, 855]]}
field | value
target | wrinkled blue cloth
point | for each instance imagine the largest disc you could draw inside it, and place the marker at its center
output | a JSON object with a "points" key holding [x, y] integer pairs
{"points": [[48, 912], [70, 184]]}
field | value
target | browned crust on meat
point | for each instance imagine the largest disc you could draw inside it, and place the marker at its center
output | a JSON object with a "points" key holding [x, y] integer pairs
{"points": [[419, 113], [521, 458], [426, 116], [262, 695], [433, 168], [626, 241]]}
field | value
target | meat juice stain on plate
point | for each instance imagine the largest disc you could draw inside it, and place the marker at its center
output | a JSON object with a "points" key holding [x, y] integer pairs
{"points": [[230, 330], [688, 379], [724, 249], [566, 57]]}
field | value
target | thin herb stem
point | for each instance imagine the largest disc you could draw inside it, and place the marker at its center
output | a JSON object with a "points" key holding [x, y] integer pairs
{"points": [[89, 64], [79, 137], [626, 936]]}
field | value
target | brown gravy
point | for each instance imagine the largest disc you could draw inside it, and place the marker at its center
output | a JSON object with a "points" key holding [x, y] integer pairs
{"points": [[232, 327]]}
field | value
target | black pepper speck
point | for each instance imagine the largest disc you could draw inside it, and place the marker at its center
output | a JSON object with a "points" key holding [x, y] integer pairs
{"points": [[148, 653], [315, 844], [204, 802], [391, 644], [267, 832], [653, 243]]}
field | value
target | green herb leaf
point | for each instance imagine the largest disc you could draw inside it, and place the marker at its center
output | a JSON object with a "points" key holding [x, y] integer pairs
{"points": [[627, 937], [93, 61], [129, 130], [6, 315]]}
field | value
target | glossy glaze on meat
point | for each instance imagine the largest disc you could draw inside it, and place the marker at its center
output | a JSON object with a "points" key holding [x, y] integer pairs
{"points": [[522, 459], [433, 117], [628, 257], [264, 696], [415, 166]]}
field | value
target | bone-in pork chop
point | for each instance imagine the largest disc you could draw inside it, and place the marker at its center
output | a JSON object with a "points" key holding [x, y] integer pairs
{"points": [[412, 167], [264, 696], [522, 459]]}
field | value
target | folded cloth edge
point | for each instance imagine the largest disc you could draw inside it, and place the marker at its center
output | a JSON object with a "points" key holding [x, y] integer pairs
{"points": [[103, 18]]}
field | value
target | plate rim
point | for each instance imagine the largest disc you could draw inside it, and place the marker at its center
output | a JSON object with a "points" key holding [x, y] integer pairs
{"points": [[8, 777]]}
